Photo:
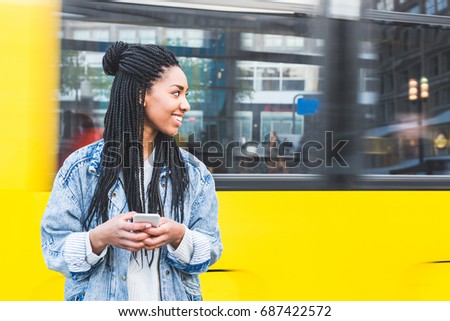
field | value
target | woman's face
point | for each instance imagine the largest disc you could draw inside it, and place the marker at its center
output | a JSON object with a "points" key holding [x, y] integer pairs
{"points": [[166, 103]]}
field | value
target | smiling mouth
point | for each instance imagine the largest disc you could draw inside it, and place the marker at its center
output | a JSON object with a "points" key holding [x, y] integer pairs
{"points": [[178, 118]]}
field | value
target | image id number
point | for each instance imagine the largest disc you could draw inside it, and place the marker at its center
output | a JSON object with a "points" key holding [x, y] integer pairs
{"points": [[296, 311]]}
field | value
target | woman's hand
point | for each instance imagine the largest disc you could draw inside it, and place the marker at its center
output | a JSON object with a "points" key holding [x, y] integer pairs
{"points": [[168, 232], [119, 232]]}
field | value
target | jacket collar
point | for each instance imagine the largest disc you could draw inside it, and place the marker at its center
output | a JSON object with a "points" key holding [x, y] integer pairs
{"points": [[94, 166]]}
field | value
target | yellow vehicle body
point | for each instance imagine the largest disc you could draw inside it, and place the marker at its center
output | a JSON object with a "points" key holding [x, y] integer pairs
{"points": [[278, 245], [306, 245]]}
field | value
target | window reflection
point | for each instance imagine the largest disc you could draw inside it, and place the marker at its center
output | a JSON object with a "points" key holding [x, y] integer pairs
{"points": [[281, 43], [432, 7], [406, 130], [246, 80]]}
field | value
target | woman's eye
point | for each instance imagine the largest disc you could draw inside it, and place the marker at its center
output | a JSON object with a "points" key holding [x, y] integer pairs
{"points": [[176, 93], [187, 94]]}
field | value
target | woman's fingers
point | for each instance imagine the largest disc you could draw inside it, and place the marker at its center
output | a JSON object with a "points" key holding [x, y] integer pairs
{"points": [[132, 246], [152, 243], [168, 232]]}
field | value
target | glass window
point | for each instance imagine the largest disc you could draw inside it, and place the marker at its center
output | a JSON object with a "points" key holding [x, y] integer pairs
{"points": [[385, 5], [281, 43], [184, 37], [272, 41], [446, 58], [368, 80], [147, 36], [246, 69], [81, 34], [433, 65], [389, 4], [442, 4], [100, 35], [195, 38], [429, 7], [267, 70], [415, 9], [293, 85], [128, 35], [261, 76], [246, 40], [243, 126], [245, 81], [174, 37], [281, 123], [399, 119], [84, 93], [295, 42], [445, 96]]}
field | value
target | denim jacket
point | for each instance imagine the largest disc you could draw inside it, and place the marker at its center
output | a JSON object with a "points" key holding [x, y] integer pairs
{"points": [[69, 201]]}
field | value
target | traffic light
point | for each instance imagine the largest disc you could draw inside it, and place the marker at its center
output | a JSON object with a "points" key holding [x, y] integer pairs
{"points": [[424, 94], [413, 90]]}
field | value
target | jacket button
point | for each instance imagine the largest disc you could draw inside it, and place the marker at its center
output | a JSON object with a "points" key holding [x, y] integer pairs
{"points": [[124, 277], [163, 185], [167, 272], [114, 194]]}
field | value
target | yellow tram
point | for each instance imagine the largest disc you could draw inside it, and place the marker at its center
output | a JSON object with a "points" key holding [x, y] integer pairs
{"points": [[372, 243]]}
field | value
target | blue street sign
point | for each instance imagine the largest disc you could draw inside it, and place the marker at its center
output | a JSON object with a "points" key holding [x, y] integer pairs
{"points": [[307, 106]]}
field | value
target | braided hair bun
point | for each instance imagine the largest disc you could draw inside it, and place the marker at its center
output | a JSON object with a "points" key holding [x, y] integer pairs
{"points": [[111, 59]]}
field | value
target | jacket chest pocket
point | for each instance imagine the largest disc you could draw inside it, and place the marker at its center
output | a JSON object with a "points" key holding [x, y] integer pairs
{"points": [[118, 200]]}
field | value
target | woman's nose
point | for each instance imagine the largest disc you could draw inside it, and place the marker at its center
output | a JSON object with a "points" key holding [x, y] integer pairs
{"points": [[184, 105]]}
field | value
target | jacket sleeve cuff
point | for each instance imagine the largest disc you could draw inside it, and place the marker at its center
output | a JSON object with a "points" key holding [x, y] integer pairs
{"points": [[185, 249], [91, 257], [75, 252]]}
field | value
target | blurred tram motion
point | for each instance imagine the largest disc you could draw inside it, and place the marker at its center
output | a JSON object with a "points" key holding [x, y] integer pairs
{"points": [[324, 233], [28, 133]]}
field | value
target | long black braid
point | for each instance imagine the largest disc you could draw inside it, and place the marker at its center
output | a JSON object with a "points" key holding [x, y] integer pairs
{"points": [[136, 68]]}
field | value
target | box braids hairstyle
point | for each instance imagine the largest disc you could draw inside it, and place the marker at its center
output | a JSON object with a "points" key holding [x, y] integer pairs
{"points": [[136, 68]]}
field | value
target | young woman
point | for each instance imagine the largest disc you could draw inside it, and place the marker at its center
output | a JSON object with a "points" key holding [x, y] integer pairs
{"points": [[88, 233]]}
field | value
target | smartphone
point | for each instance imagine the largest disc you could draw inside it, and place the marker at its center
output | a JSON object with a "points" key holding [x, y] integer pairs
{"points": [[151, 218]]}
